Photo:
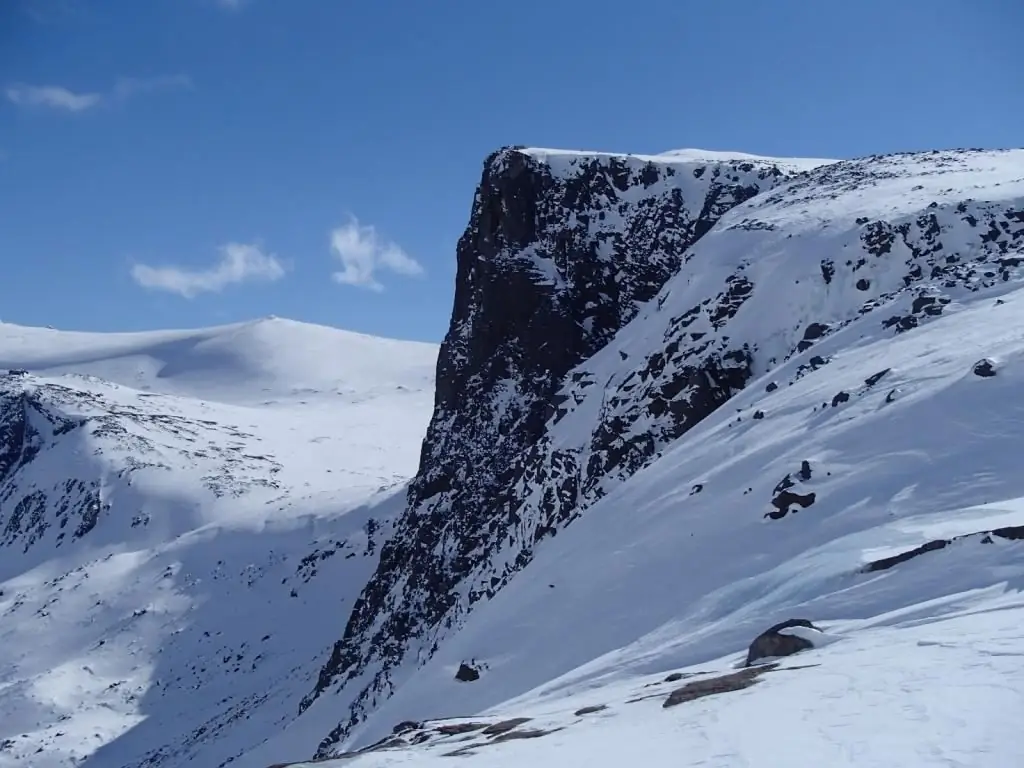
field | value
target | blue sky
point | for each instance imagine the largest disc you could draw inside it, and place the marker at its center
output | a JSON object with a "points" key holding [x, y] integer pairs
{"points": [[179, 163]]}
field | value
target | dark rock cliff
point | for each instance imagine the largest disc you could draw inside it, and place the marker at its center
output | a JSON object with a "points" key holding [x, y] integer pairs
{"points": [[560, 252]]}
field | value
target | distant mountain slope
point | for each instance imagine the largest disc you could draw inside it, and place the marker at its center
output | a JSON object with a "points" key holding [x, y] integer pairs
{"points": [[878, 246], [173, 568], [247, 362]]}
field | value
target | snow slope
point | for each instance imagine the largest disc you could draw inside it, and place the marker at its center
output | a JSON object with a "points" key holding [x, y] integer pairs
{"points": [[249, 363], [173, 506], [679, 567], [802, 400], [857, 254]]}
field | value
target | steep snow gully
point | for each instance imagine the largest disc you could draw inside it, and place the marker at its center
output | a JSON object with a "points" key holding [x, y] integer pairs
{"points": [[685, 401]]}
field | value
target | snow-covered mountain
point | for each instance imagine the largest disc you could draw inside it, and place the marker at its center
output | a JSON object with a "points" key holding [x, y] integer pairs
{"points": [[683, 398], [173, 506], [563, 389]]}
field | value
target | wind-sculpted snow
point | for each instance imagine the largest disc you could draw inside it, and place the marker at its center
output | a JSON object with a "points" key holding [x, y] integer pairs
{"points": [[172, 569], [550, 393], [561, 251]]}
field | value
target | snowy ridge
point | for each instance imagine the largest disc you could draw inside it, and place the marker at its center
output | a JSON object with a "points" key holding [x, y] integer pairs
{"points": [[160, 548]]}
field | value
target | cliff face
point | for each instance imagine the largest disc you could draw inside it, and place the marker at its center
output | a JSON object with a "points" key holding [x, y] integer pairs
{"points": [[561, 251]]}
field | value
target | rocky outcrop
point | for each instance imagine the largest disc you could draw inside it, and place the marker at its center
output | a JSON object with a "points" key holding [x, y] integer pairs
{"points": [[775, 642], [560, 253]]}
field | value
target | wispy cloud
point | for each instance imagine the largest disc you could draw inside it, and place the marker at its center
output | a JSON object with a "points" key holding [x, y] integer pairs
{"points": [[59, 97], [54, 96], [239, 263], [232, 5], [363, 253]]}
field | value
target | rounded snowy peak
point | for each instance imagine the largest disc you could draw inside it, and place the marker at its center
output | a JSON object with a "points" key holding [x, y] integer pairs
{"points": [[270, 356]]}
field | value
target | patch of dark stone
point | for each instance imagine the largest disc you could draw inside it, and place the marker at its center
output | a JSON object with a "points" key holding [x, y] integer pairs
{"points": [[840, 397], [984, 368], [457, 729], [697, 488], [1011, 533], [698, 689], [874, 378], [590, 710], [785, 502], [497, 729], [467, 674], [507, 730], [772, 643], [812, 333]]}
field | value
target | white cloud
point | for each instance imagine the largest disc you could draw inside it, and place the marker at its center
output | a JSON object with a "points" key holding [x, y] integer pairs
{"points": [[362, 253], [239, 263], [53, 96], [59, 97]]}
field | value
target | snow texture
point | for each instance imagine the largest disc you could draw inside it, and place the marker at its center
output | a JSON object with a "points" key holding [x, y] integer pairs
{"points": [[172, 513], [683, 398]]}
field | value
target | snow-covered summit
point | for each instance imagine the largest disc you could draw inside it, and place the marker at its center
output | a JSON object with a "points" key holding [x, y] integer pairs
{"points": [[564, 159], [242, 362]]}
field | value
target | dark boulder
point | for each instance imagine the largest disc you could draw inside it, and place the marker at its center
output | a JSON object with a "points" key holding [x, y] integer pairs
{"points": [[984, 368], [467, 674], [773, 643]]}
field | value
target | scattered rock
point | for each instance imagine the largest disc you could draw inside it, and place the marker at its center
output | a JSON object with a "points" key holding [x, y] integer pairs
{"points": [[874, 378], [698, 689], [759, 415], [773, 643], [456, 729], [772, 386], [1011, 533], [785, 500], [467, 674], [697, 488], [496, 729], [590, 710], [841, 397]]}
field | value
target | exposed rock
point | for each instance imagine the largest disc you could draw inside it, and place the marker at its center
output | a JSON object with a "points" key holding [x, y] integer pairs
{"points": [[787, 499], [698, 689], [984, 368], [467, 674], [773, 643], [496, 729], [1010, 533], [874, 378]]}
